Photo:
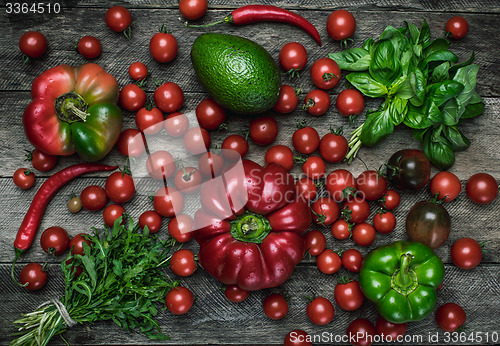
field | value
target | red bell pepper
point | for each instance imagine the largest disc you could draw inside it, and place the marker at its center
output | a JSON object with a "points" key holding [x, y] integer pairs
{"points": [[255, 244]]}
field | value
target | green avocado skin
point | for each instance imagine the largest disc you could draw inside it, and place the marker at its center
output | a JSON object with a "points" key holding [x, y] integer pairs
{"points": [[238, 73]]}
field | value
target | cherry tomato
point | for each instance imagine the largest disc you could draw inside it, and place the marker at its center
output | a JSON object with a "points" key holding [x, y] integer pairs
{"points": [[176, 124], [297, 337], [169, 97], [328, 262], [466, 253], [356, 210], [341, 229], [457, 26], [352, 260], [75, 204], [348, 295], [76, 243], [350, 102], [390, 331], [314, 167], [211, 164], [24, 178], [235, 294], [188, 179], [33, 44], [210, 114], [182, 262], [340, 25], [193, 9], [306, 189], [450, 317], [41, 161], [138, 71], [234, 147], [93, 198], [363, 234], [197, 140], [54, 240], [339, 182], [333, 147], [446, 185], [371, 185], [482, 188], [362, 331], [325, 211], [408, 169], [305, 140], [34, 276], [161, 165], [287, 101], [384, 222], [163, 48], [315, 242], [325, 74], [151, 219], [181, 228], [293, 57], [118, 18], [168, 202], [131, 143], [132, 98], [275, 306], [317, 102], [179, 300], [390, 200], [119, 187], [111, 213], [89, 47], [149, 121], [263, 130], [320, 311], [280, 154]]}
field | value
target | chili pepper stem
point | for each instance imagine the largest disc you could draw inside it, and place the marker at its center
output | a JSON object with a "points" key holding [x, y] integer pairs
{"points": [[225, 20], [18, 254]]}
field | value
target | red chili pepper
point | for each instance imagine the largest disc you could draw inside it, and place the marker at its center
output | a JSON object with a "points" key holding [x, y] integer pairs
{"points": [[262, 13]]}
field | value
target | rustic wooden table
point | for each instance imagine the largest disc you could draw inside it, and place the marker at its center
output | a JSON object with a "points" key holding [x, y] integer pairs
{"points": [[213, 319]]}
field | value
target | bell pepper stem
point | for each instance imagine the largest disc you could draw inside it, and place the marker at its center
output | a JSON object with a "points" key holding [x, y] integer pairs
{"points": [[404, 277], [250, 227], [404, 280], [71, 107]]}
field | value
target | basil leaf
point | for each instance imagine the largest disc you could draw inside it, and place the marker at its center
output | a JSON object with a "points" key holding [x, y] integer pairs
{"points": [[397, 110], [368, 44], [457, 140], [435, 46], [405, 91], [473, 110], [414, 33], [439, 151], [377, 126], [419, 134], [418, 83], [443, 55], [417, 50], [425, 33], [450, 112], [434, 115], [366, 84], [416, 118], [354, 59], [475, 98], [455, 67], [443, 91], [440, 72], [384, 67], [467, 76]]}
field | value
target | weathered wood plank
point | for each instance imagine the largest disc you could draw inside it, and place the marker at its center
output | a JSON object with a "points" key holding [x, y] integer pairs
{"points": [[214, 320]]}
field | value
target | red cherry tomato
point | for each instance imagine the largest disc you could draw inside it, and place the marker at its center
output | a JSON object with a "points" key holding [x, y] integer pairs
{"points": [[132, 98], [280, 154], [275, 306], [371, 185], [356, 210], [350, 102], [450, 317], [93, 198], [197, 140], [482, 188], [340, 25], [181, 228], [363, 234], [163, 48], [325, 73], [54, 240], [176, 124], [118, 18], [320, 311], [111, 213], [138, 71], [317, 102], [325, 211], [390, 331], [287, 101], [24, 178], [293, 57], [234, 147], [333, 147], [168, 201], [149, 121], [362, 331], [161, 165], [89, 47], [338, 183], [131, 143], [76, 243], [119, 187], [315, 242], [297, 337], [235, 294], [352, 260], [179, 300], [384, 222], [193, 9], [341, 229], [328, 262], [34, 276], [390, 200], [263, 130], [210, 114], [457, 26], [182, 262], [169, 97], [446, 185], [466, 253], [41, 161], [33, 44], [314, 167], [151, 219], [306, 189], [348, 295], [305, 140], [188, 179]]}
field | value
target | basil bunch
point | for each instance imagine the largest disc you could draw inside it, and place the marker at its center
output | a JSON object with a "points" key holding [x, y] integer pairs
{"points": [[423, 85]]}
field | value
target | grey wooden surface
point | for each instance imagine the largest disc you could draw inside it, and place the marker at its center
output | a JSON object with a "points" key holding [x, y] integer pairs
{"points": [[213, 319]]}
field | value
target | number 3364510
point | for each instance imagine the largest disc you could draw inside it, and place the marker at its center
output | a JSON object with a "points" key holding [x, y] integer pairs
{"points": [[25, 8]]}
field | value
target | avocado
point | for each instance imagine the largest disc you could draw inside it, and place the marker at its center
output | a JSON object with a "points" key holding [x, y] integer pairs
{"points": [[238, 73]]}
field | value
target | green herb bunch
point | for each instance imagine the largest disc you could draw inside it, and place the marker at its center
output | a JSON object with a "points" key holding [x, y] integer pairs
{"points": [[423, 85], [122, 280]]}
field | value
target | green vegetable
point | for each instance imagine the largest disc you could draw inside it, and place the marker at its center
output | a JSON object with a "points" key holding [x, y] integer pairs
{"points": [[423, 87], [122, 280], [401, 279]]}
